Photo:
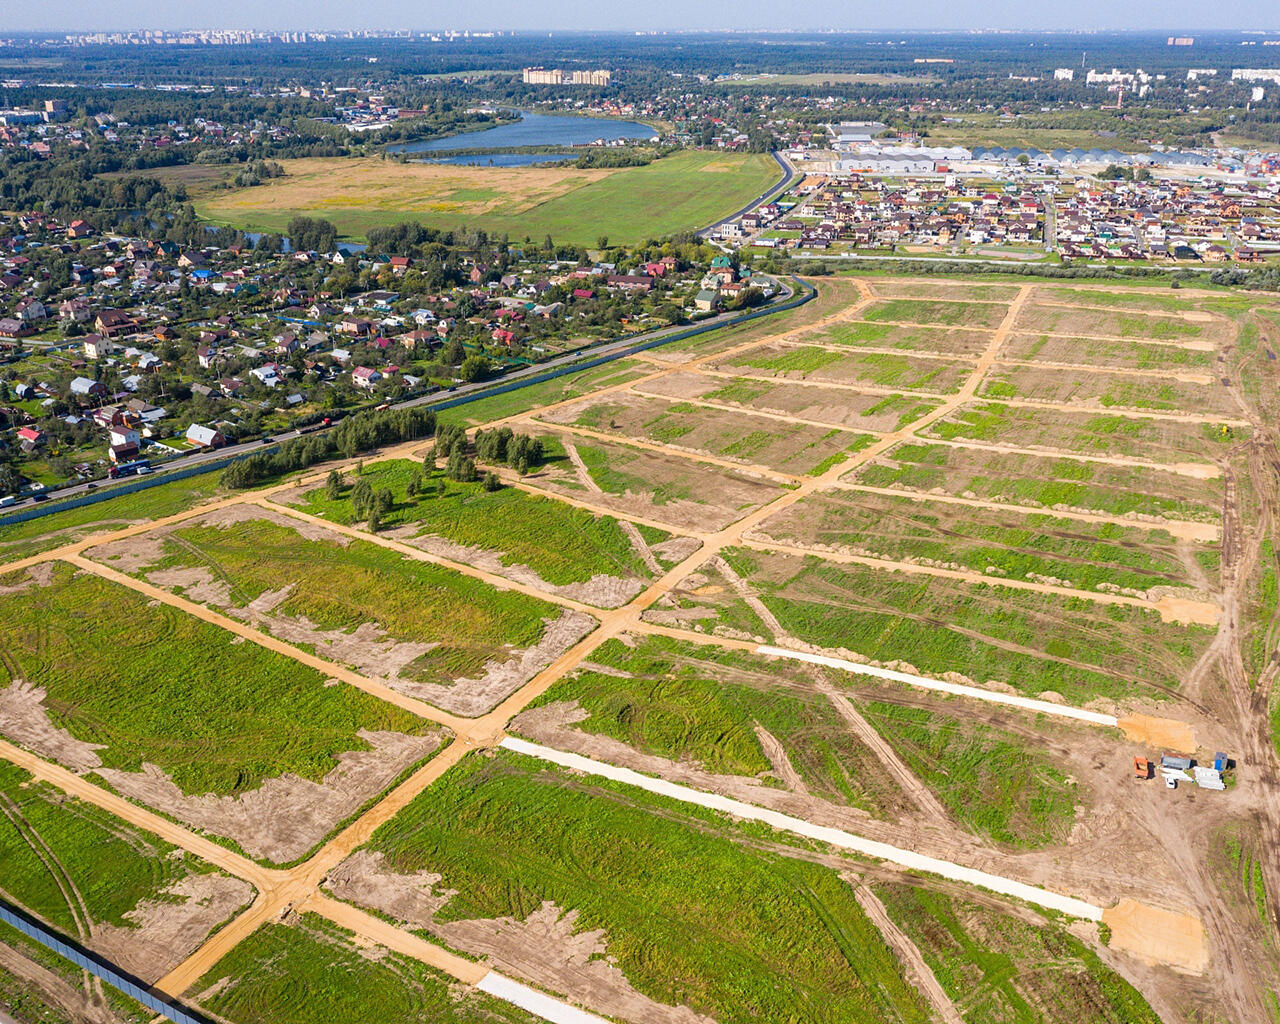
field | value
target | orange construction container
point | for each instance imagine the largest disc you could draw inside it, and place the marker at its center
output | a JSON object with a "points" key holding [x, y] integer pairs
{"points": [[1141, 768]]}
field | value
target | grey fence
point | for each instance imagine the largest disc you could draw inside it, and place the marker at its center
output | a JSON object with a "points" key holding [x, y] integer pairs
{"points": [[154, 479], [96, 966]]}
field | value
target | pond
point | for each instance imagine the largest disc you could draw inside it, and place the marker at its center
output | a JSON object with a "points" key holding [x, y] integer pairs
{"points": [[531, 130]]}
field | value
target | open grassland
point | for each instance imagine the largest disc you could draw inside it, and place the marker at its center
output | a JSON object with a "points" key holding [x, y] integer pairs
{"points": [[704, 704], [810, 362], [1041, 481], [1108, 390], [310, 971], [135, 684], [668, 488], [562, 544], [1010, 967], [290, 574], [1157, 440], [1002, 543], [1099, 352], [681, 192], [1032, 642], [740, 437], [840, 407], [18, 540], [932, 311], [953, 341], [535, 396], [996, 784], [690, 915]]}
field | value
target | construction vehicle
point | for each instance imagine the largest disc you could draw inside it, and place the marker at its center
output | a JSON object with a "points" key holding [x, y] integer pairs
{"points": [[1141, 768]]}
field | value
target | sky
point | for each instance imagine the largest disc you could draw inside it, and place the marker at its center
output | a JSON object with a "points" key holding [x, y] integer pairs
{"points": [[85, 15]]}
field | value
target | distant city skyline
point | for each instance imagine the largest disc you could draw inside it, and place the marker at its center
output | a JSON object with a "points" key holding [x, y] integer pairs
{"points": [[670, 15]]}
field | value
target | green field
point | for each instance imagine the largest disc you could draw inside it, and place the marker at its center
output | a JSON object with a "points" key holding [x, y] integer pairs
{"points": [[692, 915], [878, 368], [682, 192], [1011, 968], [925, 311], [562, 544], [310, 971], [337, 587], [535, 396], [155, 685], [18, 540]]}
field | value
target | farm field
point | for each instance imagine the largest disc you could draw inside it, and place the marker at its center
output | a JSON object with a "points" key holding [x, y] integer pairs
{"points": [[769, 932], [508, 532], [682, 192], [1033, 642], [881, 369], [999, 542], [429, 631], [744, 438], [197, 740]]}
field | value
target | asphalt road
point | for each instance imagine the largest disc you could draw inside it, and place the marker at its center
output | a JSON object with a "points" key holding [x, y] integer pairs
{"points": [[788, 176], [617, 349]]}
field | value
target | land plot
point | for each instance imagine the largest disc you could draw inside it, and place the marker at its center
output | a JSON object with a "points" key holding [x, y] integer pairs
{"points": [[310, 971], [741, 437], [428, 631], [1099, 352], [125, 894], [175, 713], [948, 341], [909, 288], [994, 541], [18, 540], [535, 396], [1148, 301], [991, 636], [630, 904], [1005, 965], [840, 407], [1108, 390], [986, 315], [653, 485], [777, 734], [810, 362], [1044, 482], [1157, 440], [538, 541], [1095, 323]]}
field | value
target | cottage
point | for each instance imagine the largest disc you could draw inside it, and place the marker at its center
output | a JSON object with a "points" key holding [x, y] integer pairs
{"points": [[706, 301], [113, 322], [97, 347], [204, 437], [365, 377], [86, 388]]}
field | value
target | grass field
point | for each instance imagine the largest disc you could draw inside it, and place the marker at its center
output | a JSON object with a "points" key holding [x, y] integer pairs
{"points": [[1088, 388], [570, 386], [1007, 968], [338, 585], [947, 314], [881, 369], [681, 192], [310, 971], [19, 540], [155, 685], [958, 341], [562, 544], [1096, 352], [691, 915], [1007, 544]]}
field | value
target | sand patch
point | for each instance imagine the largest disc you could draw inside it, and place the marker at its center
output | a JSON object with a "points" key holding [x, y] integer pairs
{"points": [[1164, 733], [39, 575], [545, 948], [168, 928], [1157, 936], [286, 816], [25, 720]]}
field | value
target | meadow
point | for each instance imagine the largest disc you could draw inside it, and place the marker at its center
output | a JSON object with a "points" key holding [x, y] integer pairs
{"points": [[691, 913], [682, 192], [536, 396], [152, 684], [310, 971]]}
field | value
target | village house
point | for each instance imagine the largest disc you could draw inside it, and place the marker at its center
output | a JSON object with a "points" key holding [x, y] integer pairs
{"points": [[204, 437], [97, 347]]}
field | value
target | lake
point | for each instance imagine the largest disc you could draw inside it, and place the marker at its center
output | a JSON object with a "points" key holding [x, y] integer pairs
{"points": [[530, 130]]}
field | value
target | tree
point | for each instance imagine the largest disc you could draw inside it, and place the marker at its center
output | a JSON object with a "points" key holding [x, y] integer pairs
{"points": [[475, 367], [375, 521], [333, 486], [491, 481], [386, 500], [362, 497]]}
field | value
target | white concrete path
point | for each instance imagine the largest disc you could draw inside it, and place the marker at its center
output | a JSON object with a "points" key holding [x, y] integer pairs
{"points": [[1043, 707], [538, 1003], [834, 836]]}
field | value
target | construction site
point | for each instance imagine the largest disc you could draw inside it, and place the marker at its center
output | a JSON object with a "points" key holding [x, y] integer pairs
{"points": [[905, 656]]}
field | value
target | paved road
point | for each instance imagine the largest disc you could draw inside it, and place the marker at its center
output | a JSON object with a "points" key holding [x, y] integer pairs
{"points": [[788, 175]]}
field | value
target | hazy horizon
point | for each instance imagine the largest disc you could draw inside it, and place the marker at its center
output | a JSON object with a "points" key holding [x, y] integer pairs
{"points": [[660, 15]]}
